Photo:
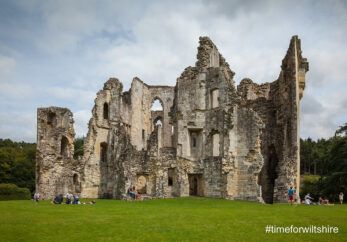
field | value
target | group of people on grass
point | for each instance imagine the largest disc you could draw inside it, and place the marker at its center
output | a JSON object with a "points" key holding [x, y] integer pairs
{"points": [[132, 192], [69, 199], [309, 200]]}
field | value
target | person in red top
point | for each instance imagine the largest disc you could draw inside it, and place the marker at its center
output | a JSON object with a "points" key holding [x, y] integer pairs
{"points": [[291, 193]]}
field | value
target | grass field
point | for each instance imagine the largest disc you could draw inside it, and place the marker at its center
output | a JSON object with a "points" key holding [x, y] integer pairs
{"points": [[177, 219]]}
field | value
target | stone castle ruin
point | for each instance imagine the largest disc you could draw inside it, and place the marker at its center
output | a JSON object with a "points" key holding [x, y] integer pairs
{"points": [[210, 139]]}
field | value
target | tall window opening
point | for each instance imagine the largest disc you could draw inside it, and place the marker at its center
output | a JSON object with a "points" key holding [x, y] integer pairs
{"points": [[170, 176], [106, 111], [64, 151], [156, 113], [75, 179], [103, 152], [215, 145], [214, 98], [195, 140]]}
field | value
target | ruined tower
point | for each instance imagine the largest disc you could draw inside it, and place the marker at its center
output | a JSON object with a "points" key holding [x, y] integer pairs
{"points": [[56, 170], [209, 139]]}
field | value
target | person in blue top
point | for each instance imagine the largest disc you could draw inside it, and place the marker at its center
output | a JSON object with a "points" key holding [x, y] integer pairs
{"points": [[291, 193]]}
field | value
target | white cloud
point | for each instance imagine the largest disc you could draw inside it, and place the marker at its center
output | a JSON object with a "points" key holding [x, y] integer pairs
{"points": [[18, 126], [69, 48], [82, 118]]}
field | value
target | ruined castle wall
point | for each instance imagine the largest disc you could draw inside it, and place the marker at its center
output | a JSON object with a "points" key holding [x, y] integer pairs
{"points": [[277, 104], [55, 166], [107, 110], [200, 121], [235, 145], [166, 95], [140, 113], [242, 179]]}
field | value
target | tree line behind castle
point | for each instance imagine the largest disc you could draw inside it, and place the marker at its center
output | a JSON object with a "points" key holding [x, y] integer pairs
{"points": [[323, 165]]}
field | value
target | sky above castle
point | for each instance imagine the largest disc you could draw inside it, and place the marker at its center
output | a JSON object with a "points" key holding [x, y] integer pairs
{"points": [[59, 53]]}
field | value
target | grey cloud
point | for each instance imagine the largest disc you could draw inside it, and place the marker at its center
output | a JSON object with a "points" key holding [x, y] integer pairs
{"points": [[65, 58], [309, 105]]}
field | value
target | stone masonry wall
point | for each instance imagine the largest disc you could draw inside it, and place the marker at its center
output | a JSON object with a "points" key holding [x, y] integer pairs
{"points": [[56, 170], [213, 140]]}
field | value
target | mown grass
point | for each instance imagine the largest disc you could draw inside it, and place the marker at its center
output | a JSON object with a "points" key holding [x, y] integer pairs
{"points": [[177, 219]]}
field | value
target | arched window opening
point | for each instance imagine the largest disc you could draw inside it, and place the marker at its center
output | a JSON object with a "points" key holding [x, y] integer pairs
{"points": [[105, 110], [75, 179], [158, 121], [157, 105], [103, 152], [64, 151]]}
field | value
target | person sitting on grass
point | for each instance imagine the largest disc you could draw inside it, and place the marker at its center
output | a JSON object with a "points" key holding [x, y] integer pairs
{"points": [[341, 198], [68, 197], [325, 201], [58, 199], [308, 199], [129, 192], [136, 195], [291, 193], [76, 199]]}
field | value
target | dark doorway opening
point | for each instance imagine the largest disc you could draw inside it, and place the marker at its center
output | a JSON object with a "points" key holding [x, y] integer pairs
{"points": [[268, 175], [195, 185]]}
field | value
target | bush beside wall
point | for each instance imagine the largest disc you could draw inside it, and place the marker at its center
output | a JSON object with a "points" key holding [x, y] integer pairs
{"points": [[12, 192]]}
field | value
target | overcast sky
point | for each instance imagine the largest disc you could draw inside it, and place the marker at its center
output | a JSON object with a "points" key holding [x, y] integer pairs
{"points": [[59, 53]]}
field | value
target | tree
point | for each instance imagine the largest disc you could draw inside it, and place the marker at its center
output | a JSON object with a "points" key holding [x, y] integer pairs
{"points": [[79, 147]]}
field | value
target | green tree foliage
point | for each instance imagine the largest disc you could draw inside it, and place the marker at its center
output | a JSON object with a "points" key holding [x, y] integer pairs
{"points": [[328, 160], [78, 145], [17, 163]]}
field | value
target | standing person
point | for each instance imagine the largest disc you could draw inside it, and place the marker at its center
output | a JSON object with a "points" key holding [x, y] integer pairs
{"points": [[291, 193], [341, 198], [36, 197]]}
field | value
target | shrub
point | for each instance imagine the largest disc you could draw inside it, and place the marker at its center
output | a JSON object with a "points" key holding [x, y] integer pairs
{"points": [[312, 185], [12, 192]]}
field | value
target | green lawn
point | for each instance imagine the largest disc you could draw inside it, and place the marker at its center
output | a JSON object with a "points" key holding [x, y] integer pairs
{"points": [[177, 219]]}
